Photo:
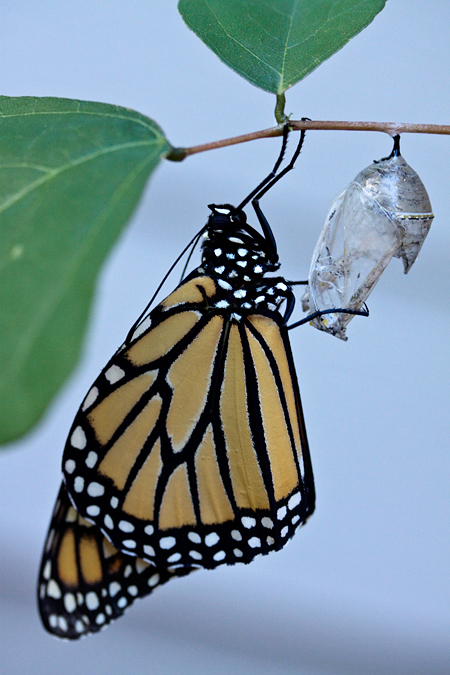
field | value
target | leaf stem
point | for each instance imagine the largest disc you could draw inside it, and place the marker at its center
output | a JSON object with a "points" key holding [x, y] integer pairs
{"points": [[280, 115], [391, 128]]}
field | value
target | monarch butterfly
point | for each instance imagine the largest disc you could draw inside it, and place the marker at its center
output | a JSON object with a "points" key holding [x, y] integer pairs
{"points": [[190, 448]]}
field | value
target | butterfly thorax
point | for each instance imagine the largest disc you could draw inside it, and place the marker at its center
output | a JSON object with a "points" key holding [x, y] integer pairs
{"points": [[238, 258]]}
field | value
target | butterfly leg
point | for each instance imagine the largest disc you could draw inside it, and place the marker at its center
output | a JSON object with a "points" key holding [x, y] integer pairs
{"points": [[272, 174], [315, 315], [267, 185]]}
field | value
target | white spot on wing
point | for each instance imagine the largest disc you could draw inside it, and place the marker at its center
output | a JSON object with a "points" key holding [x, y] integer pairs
{"points": [[78, 439], [114, 374], [154, 580], [47, 572], [62, 623], [90, 398], [108, 521], [211, 539], [95, 489], [92, 601], [167, 542], [281, 512], [196, 538], [70, 466], [78, 484], [114, 588], [294, 501], [70, 603], [143, 326], [91, 459], [248, 522], [53, 590]]}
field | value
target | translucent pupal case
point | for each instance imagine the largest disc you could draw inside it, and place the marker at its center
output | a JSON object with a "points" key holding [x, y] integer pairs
{"points": [[385, 212]]}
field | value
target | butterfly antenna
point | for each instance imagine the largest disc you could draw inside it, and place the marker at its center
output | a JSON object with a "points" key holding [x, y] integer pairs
{"points": [[191, 252], [193, 243]]}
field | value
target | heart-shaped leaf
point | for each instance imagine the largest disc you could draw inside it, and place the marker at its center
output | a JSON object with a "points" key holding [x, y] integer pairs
{"points": [[276, 43], [71, 173]]}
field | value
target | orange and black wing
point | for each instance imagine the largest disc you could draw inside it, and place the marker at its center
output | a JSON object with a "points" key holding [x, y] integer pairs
{"points": [[190, 448], [84, 581]]}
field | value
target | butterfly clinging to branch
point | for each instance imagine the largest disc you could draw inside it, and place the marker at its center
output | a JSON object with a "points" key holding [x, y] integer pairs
{"points": [[190, 448]]}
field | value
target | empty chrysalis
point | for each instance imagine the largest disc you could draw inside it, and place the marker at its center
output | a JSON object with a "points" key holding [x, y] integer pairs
{"points": [[385, 212]]}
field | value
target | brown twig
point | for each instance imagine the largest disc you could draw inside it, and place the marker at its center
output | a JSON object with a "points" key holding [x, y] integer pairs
{"points": [[390, 128]]}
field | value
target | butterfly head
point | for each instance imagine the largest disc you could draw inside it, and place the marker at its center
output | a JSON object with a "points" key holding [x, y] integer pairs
{"points": [[232, 250]]}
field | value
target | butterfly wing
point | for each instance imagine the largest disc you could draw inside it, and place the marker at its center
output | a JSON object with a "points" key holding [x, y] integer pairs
{"points": [[84, 581], [190, 447]]}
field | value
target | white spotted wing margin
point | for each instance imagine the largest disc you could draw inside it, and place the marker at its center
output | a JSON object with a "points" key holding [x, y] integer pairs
{"points": [[190, 448], [84, 582]]}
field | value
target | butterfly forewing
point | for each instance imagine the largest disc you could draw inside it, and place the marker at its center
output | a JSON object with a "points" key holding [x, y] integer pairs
{"points": [[190, 447], [84, 581]]}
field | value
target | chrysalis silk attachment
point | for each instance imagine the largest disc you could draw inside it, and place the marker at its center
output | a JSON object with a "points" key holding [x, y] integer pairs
{"points": [[385, 212]]}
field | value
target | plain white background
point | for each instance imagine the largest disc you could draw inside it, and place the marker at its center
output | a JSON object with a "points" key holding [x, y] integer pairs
{"points": [[364, 588]]}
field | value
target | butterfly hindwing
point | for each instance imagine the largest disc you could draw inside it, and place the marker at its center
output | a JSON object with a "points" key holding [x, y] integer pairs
{"points": [[84, 581]]}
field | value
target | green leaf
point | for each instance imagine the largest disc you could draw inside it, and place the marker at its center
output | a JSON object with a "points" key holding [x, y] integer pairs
{"points": [[276, 43], [71, 173]]}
